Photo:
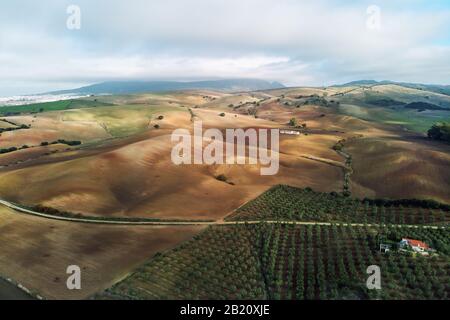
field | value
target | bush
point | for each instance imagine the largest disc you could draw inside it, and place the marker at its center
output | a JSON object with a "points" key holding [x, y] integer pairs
{"points": [[70, 143], [62, 141], [222, 177], [440, 131], [293, 122], [6, 150]]}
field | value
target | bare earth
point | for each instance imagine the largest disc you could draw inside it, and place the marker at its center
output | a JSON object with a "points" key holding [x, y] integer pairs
{"points": [[36, 252]]}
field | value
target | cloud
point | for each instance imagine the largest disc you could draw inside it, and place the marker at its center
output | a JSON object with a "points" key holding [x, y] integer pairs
{"points": [[295, 42]]}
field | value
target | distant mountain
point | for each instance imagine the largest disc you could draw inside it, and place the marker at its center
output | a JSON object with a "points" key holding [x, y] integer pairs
{"points": [[360, 83], [125, 87], [443, 89]]}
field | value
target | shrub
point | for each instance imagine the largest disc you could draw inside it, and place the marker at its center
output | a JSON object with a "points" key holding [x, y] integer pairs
{"points": [[293, 122], [62, 141], [222, 177], [440, 131], [6, 150]]}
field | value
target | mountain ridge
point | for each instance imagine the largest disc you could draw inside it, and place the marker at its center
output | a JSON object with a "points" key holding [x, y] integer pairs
{"points": [[128, 87]]}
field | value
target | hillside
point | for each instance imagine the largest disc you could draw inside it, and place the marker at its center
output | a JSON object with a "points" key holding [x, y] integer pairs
{"points": [[443, 89], [351, 149]]}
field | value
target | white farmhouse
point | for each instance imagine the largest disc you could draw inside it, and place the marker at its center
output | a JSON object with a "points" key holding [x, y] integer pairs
{"points": [[415, 245]]}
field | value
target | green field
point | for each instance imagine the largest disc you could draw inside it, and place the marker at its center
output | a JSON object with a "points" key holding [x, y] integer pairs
{"points": [[407, 118], [51, 106], [386, 104], [123, 120], [293, 204], [286, 261]]}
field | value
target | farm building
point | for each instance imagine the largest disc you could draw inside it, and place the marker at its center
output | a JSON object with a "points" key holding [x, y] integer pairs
{"points": [[384, 248], [291, 132], [415, 245]]}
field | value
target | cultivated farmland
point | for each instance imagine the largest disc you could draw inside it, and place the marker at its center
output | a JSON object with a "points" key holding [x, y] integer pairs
{"points": [[289, 203], [286, 261]]}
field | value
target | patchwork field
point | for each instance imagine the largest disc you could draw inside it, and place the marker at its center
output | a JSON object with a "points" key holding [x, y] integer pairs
{"points": [[110, 157]]}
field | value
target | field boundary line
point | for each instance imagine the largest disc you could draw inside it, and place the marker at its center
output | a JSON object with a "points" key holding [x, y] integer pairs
{"points": [[204, 223], [99, 221]]}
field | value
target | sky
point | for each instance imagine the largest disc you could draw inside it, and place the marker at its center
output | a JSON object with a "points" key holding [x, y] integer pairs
{"points": [[299, 43]]}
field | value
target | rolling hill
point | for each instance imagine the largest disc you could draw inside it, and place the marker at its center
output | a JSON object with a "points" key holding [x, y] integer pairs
{"points": [[436, 88]]}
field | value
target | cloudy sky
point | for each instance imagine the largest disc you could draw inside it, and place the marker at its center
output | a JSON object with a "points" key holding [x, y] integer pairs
{"points": [[318, 42]]}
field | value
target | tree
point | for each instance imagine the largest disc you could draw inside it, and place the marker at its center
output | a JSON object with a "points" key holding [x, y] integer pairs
{"points": [[293, 122], [440, 131], [222, 177]]}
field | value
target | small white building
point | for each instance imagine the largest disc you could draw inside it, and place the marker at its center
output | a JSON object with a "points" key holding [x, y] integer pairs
{"points": [[291, 132], [384, 248]]}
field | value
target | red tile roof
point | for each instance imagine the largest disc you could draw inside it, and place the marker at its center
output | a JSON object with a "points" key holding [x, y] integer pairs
{"points": [[417, 243]]}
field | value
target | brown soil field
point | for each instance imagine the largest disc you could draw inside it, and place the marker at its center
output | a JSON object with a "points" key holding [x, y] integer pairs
{"points": [[134, 176], [50, 127], [24, 155], [139, 179], [400, 168], [224, 102], [36, 252], [4, 125]]}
